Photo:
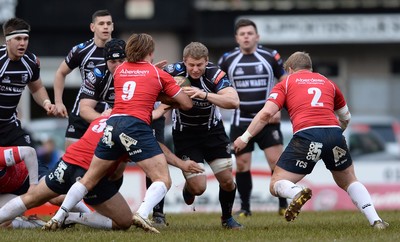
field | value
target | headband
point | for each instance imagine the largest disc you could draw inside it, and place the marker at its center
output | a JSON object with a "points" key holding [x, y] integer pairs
{"points": [[15, 33]]}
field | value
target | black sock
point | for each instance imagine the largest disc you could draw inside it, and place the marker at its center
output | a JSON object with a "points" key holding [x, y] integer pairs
{"points": [[226, 200], [244, 186], [282, 202]]}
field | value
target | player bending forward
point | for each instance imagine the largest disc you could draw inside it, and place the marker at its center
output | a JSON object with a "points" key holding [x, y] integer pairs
{"points": [[312, 101]]}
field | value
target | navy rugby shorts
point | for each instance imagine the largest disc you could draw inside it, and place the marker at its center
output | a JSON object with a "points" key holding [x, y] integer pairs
{"points": [[64, 175], [307, 147], [269, 136], [127, 134]]}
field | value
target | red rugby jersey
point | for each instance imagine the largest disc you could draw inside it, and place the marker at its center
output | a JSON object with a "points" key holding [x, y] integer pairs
{"points": [[81, 152], [310, 99], [137, 86]]}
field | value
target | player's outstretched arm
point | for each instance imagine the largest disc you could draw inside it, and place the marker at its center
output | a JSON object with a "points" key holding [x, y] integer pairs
{"points": [[186, 166]]}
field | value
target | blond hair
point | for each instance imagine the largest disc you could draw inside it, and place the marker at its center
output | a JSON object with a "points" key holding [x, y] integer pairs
{"points": [[138, 47], [195, 50], [299, 60]]}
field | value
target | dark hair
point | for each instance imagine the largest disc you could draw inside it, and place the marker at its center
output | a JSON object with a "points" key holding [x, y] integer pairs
{"points": [[15, 24], [138, 47], [100, 13], [114, 49], [243, 23]]}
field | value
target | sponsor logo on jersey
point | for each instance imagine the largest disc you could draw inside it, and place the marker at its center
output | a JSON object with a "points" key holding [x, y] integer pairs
{"points": [[273, 95], [309, 81], [6, 79], [178, 67], [24, 78], [259, 69], [90, 65], [112, 96], [126, 72], [11, 89], [170, 68], [239, 71], [81, 45], [87, 91], [90, 77], [97, 72]]}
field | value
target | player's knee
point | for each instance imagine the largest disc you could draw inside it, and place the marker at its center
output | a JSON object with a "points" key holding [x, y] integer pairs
{"points": [[168, 182], [272, 190], [31, 200], [198, 190], [227, 185], [197, 187]]}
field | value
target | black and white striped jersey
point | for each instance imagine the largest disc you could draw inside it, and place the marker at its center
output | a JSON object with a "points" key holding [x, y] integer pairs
{"points": [[14, 76], [204, 114], [253, 76], [89, 58], [101, 90]]}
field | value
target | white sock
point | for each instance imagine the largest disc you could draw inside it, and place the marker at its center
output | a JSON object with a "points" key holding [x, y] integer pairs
{"points": [[81, 207], [91, 219], [12, 209], [74, 195], [362, 199], [154, 194], [286, 189], [19, 223]]}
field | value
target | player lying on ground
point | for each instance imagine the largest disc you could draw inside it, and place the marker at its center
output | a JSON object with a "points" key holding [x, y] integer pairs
{"points": [[19, 173], [111, 209]]}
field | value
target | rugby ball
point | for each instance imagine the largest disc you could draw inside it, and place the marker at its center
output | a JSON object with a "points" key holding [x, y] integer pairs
{"points": [[182, 81]]}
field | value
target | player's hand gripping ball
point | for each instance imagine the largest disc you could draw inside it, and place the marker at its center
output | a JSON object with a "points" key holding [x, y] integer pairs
{"points": [[182, 81]]}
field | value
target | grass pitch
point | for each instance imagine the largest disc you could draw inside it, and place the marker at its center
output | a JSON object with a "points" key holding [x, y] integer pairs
{"points": [[268, 226]]}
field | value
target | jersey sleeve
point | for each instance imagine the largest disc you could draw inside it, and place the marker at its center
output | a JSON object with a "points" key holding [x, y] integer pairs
{"points": [[36, 69], [73, 59], [340, 101], [222, 63], [279, 71], [223, 81], [218, 77], [278, 95], [169, 84]]}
